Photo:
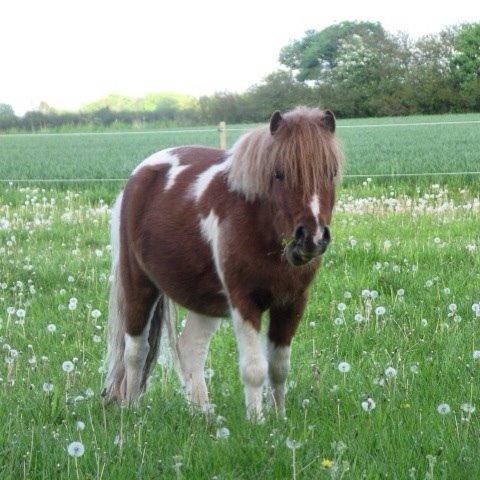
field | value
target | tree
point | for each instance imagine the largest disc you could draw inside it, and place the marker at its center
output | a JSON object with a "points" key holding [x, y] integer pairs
{"points": [[6, 110], [430, 76], [315, 55], [222, 106], [358, 68], [279, 91], [159, 100], [466, 64], [466, 58], [45, 108]]}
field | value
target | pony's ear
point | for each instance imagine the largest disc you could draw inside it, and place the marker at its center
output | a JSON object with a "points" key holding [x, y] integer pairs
{"points": [[328, 119], [275, 120]]}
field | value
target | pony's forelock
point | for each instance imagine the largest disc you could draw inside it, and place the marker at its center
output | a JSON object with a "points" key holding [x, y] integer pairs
{"points": [[302, 149]]}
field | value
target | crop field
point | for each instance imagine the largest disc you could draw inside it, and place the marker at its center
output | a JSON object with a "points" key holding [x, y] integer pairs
{"points": [[385, 379], [451, 147]]}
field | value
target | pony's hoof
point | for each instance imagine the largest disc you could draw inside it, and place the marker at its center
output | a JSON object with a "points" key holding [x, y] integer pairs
{"points": [[256, 417]]}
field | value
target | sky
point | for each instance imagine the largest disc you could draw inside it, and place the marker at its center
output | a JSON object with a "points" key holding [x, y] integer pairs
{"points": [[68, 53]]}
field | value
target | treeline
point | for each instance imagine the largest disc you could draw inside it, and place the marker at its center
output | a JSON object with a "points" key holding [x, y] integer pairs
{"points": [[357, 69], [99, 119]]}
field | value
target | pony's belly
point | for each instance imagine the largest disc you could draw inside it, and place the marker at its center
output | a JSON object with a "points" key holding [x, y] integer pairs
{"points": [[191, 284], [211, 305]]}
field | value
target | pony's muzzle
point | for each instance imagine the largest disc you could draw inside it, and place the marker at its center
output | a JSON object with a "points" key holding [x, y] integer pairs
{"points": [[322, 244], [304, 247]]}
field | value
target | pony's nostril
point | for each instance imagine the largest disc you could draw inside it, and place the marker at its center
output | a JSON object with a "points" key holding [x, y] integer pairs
{"points": [[299, 233], [326, 235]]}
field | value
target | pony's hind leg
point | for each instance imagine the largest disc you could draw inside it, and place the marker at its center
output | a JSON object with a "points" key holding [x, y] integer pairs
{"points": [[134, 319], [141, 309], [193, 349]]}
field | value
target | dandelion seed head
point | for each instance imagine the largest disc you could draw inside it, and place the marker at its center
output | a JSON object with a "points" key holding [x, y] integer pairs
{"points": [[47, 387], [467, 407], [444, 409], [341, 307], [452, 307], [358, 318], [222, 433], [76, 449], [368, 405], [344, 367], [68, 366], [79, 425], [390, 372], [293, 444], [208, 374]]}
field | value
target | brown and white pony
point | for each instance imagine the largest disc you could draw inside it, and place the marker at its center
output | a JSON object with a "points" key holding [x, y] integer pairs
{"points": [[235, 232]]}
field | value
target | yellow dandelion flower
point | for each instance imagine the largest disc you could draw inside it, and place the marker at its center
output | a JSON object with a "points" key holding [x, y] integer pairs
{"points": [[327, 463]]}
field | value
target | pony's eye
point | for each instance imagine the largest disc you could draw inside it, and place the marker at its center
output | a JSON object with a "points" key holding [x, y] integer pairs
{"points": [[279, 175]]}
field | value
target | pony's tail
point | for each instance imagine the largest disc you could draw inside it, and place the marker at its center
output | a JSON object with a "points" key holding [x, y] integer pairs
{"points": [[116, 316], [162, 321]]}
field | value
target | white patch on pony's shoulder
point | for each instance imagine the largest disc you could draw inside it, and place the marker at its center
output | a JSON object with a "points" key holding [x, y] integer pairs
{"points": [[204, 179], [210, 227], [173, 174], [164, 157]]}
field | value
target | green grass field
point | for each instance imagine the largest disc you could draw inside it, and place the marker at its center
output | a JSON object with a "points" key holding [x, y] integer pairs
{"points": [[369, 150], [414, 244]]}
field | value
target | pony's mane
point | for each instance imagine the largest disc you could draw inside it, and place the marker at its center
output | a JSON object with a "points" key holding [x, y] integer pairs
{"points": [[303, 149]]}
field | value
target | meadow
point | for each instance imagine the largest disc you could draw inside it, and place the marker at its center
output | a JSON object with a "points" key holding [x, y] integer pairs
{"points": [[385, 365], [369, 150]]}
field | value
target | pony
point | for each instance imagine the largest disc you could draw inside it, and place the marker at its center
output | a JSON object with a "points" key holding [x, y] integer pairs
{"points": [[221, 233]]}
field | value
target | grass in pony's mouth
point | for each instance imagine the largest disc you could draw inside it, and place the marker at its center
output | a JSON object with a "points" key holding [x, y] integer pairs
{"points": [[286, 240]]}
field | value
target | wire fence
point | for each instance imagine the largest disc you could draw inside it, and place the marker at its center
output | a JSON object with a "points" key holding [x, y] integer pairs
{"points": [[232, 129], [352, 175], [221, 130]]}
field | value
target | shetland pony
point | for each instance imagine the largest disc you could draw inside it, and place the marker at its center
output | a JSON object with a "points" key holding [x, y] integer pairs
{"points": [[235, 232]]}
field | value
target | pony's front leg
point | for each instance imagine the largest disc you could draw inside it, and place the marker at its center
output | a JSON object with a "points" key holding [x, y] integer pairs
{"points": [[193, 349], [283, 324], [252, 361]]}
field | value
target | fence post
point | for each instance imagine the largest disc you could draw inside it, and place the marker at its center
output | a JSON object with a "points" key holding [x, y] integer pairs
{"points": [[222, 133]]}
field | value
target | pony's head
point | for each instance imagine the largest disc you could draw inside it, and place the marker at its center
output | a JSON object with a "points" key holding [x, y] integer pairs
{"points": [[290, 167]]}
